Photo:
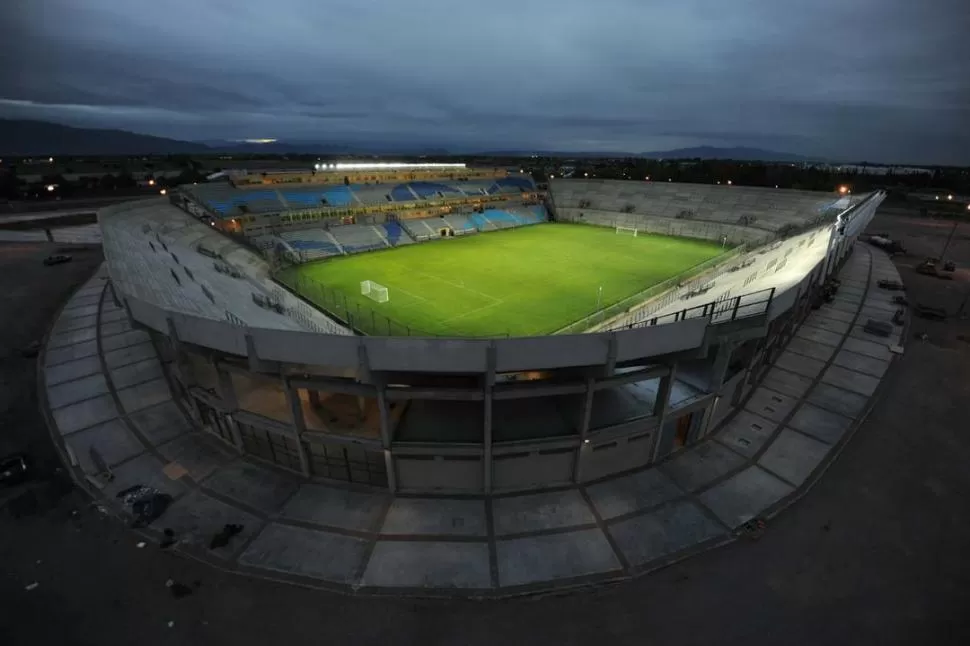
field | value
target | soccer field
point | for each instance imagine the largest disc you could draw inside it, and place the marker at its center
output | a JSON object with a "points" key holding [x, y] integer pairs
{"points": [[518, 282]]}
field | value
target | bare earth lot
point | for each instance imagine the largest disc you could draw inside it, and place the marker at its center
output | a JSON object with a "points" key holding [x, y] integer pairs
{"points": [[876, 553]]}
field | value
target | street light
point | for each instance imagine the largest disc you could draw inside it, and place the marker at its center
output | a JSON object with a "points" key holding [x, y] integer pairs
{"points": [[949, 197], [151, 182], [50, 188], [163, 191], [729, 182]]}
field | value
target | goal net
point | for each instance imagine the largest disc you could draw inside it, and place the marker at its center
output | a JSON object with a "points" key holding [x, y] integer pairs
{"points": [[374, 291], [627, 231]]}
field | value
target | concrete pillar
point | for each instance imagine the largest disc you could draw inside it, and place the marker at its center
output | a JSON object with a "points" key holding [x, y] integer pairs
{"points": [[660, 407], [386, 439], [585, 415], [720, 366], [299, 424], [489, 383]]}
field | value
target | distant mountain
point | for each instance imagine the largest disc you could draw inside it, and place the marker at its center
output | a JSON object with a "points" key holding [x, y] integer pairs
{"points": [[737, 154], [28, 137], [320, 148]]}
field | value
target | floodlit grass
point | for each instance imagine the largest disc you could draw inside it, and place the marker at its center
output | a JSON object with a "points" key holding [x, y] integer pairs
{"points": [[526, 281]]}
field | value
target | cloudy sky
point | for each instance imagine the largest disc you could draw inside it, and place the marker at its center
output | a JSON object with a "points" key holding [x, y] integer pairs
{"points": [[881, 80]]}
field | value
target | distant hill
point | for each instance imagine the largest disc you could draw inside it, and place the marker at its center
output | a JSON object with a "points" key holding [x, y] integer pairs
{"points": [[737, 154], [28, 137]]}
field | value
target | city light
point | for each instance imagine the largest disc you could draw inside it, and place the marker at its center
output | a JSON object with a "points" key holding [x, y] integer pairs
{"points": [[50, 188], [949, 197], [729, 182], [585, 174], [163, 191], [647, 178], [151, 182], [843, 189], [382, 165]]}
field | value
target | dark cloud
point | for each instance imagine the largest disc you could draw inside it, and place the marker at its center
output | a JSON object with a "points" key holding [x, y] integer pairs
{"points": [[867, 79]]}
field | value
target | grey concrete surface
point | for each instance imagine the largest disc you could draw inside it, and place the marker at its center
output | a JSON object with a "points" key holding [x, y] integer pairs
{"points": [[306, 552], [555, 556], [256, 487], [628, 494], [436, 516], [667, 530], [540, 511], [744, 496], [794, 456], [428, 565], [336, 507]]}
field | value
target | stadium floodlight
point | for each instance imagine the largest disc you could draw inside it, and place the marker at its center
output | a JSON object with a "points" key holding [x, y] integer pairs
{"points": [[374, 291]]}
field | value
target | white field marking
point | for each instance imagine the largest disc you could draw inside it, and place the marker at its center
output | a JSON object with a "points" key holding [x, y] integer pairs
{"points": [[448, 282], [470, 312], [404, 291]]}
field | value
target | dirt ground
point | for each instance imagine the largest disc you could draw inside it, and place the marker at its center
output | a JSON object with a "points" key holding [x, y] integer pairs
{"points": [[875, 553]]}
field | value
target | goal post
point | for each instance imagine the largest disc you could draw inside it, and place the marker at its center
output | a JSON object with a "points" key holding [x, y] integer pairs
{"points": [[374, 291], [626, 230]]}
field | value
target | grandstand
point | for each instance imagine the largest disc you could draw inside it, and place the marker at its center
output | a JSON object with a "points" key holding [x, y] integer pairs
{"points": [[744, 214]]}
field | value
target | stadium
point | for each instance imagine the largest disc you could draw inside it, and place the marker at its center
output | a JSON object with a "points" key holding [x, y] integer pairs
{"points": [[443, 329]]}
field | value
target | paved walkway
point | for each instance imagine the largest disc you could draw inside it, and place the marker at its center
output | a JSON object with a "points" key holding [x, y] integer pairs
{"points": [[105, 389]]}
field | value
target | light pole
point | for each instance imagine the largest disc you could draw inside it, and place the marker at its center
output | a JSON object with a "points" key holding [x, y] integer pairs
{"points": [[949, 239], [599, 300]]}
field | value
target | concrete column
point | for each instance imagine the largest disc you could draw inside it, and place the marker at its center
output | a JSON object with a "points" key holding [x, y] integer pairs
{"points": [[660, 407], [299, 424], [721, 362], [489, 383], [386, 439], [227, 391], [585, 415]]}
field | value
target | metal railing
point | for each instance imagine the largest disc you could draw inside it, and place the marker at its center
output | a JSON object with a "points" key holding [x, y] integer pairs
{"points": [[640, 298]]}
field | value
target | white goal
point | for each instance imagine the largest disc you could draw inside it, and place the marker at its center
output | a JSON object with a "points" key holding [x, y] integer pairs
{"points": [[374, 291], [627, 230]]}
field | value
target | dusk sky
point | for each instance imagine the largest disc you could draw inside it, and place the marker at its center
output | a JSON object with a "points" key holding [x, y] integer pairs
{"points": [[880, 80]]}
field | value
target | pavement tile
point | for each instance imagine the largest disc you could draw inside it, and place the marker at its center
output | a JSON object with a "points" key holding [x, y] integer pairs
{"points": [[557, 556], [746, 433], [699, 465], [820, 423], [744, 496], [627, 494], [71, 392], [794, 456], [112, 441], [428, 564], [336, 507], [535, 512], [663, 532], [770, 404], [258, 487], [89, 412], [160, 423], [837, 399], [850, 380], [72, 370], [800, 364], [785, 382], [807, 348], [436, 516], [144, 395], [306, 552], [198, 454], [861, 363]]}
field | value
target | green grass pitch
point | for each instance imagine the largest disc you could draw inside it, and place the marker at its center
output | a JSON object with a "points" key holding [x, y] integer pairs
{"points": [[526, 281]]}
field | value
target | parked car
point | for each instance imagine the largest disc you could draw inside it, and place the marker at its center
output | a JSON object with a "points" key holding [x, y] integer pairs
{"points": [[57, 259]]}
